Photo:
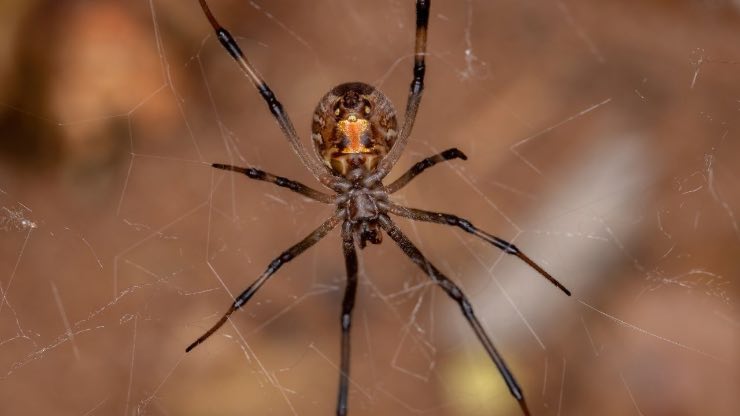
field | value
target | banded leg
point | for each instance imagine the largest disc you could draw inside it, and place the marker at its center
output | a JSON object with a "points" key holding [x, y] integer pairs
{"points": [[454, 292], [285, 257], [350, 260], [318, 169], [294, 186], [425, 164], [449, 219], [415, 93]]}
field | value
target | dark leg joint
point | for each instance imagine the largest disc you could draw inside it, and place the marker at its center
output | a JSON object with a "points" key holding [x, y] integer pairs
{"points": [[240, 301], [506, 246], [417, 86], [275, 107], [460, 222], [280, 181], [453, 291], [266, 93], [464, 224], [422, 166], [255, 173], [229, 43], [250, 172], [419, 70], [346, 322], [286, 256], [422, 13], [453, 153], [466, 307]]}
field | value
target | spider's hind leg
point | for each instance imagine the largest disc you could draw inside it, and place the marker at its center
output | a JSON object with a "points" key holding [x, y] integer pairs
{"points": [[350, 259], [454, 292], [278, 262], [449, 219]]}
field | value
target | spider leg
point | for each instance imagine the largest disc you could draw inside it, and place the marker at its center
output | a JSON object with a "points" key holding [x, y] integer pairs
{"points": [[425, 164], [294, 186], [449, 219], [350, 260], [283, 258], [415, 93], [454, 292], [319, 170]]}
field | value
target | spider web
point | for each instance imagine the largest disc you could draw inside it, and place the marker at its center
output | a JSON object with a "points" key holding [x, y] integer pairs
{"points": [[602, 140]]}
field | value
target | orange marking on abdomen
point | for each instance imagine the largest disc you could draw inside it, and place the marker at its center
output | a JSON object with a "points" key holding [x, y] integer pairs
{"points": [[354, 131]]}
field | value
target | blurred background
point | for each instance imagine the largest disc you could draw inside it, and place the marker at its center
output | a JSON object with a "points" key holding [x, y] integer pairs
{"points": [[603, 139]]}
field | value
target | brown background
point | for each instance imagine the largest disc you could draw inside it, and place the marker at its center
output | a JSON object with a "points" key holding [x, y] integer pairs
{"points": [[603, 139]]}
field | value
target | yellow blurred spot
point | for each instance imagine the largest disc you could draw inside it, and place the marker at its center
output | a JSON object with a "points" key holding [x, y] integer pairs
{"points": [[475, 386]]}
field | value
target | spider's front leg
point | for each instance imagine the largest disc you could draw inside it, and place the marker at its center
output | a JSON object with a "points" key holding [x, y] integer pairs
{"points": [[276, 108], [415, 92]]}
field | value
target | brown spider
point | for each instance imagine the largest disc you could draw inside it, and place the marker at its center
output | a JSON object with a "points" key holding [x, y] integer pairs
{"points": [[357, 143]]}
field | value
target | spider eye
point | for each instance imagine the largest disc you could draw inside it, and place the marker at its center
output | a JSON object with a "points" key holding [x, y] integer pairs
{"points": [[337, 112], [367, 109]]}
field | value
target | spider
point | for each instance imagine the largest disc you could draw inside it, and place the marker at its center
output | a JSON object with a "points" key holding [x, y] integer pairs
{"points": [[357, 143]]}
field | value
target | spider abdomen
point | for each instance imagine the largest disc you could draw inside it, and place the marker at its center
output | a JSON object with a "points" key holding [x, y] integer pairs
{"points": [[354, 126]]}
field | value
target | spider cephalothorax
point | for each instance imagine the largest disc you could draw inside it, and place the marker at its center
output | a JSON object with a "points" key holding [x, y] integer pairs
{"points": [[362, 208], [357, 141], [354, 126]]}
